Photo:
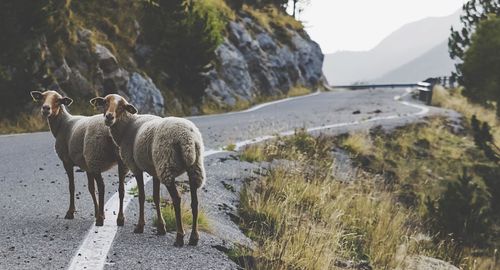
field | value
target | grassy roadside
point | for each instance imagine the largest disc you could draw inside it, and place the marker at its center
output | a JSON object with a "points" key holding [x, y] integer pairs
{"points": [[413, 200], [454, 100], [24, 123], [212, 108]]}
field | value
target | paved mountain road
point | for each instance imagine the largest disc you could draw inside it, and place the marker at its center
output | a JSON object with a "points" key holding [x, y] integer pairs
{"points": [[34, 190]]}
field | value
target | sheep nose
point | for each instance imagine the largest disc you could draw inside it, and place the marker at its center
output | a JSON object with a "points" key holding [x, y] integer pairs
{"points": [[109, 116], [46, 107]]}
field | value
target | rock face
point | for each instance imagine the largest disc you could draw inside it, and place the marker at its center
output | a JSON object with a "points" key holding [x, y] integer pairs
{"points": [[144, 94], [254, 62]]}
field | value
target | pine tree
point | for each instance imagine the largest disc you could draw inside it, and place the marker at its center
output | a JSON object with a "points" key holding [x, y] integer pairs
{"points": [[184, 38], [474, 12]]}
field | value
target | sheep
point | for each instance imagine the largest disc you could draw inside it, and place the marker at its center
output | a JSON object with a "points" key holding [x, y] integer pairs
{"points": [[85, 142], [164, 148]]}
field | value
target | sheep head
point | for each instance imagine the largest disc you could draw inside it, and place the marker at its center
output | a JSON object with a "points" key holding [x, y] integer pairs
{"points": [[51, 102], [114, 107]]}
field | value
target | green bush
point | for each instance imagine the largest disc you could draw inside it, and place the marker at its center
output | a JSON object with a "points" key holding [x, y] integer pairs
{"points": [[462, 211], [483, 139], [184, 36]]}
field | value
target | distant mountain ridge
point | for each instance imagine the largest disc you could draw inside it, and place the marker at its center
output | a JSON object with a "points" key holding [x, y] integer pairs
{"points": [[435, 62], [403, 46]]}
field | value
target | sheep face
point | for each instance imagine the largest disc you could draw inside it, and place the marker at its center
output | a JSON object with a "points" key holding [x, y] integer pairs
{"points": [[114, 107], [51, 102]]}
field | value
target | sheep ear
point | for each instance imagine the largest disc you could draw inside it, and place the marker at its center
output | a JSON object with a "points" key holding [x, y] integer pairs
{"points": [[65, 101], [36, 95], [130, 108], [98, 102]]}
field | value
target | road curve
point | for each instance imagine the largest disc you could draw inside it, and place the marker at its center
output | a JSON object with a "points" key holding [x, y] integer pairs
{"points": [[34, 191]]}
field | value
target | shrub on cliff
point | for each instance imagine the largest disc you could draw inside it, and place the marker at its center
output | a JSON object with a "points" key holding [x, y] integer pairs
{"points": [[184, 37], [462, 211]]}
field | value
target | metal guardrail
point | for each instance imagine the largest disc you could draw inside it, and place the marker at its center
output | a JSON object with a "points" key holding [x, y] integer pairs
{"points": [[424, 88], [373, 86]]}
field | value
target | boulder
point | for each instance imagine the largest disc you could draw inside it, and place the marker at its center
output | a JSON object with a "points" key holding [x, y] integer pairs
{"points": [[144, 94], [114, 78], [423, 262]]}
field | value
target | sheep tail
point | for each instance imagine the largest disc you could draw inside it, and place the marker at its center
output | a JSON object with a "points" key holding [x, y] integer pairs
{"points": [[193, 158]]}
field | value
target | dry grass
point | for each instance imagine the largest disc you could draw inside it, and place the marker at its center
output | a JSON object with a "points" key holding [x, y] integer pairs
{"points": [[253, 153], [304, 223], [422, 157], [359, 143], [268, 16], [220, 6], [214, 108], [298, 91], [24, 123], [230, 147], [454, 100], [302, 218], [168, 213]]}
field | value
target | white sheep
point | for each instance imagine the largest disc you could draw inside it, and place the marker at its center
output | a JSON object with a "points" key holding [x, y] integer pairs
{"points": [[85, 142], [163, 147]]}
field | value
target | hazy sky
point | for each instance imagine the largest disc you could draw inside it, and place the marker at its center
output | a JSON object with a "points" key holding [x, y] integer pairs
{"points": [[361, 24]]}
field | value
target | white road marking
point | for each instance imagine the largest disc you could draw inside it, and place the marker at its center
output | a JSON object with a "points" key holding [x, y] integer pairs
{"points": [[93, 251]]}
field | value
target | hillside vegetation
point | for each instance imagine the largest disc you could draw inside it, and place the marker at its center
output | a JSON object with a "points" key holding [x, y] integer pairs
{"points": [[424, 190]]}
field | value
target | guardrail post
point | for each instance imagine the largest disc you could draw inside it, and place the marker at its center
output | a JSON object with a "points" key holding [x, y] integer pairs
{"points": [[425, 92]]}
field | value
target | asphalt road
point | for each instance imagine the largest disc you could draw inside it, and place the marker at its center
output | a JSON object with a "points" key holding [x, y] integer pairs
{"points": [[34, 190]]}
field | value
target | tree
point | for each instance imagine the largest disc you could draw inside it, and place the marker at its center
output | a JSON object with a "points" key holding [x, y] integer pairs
{"points": [[474, 12], [298, 6], [481, 66], [184, 36]]}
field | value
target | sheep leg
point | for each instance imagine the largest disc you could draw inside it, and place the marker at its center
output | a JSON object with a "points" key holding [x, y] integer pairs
{"points": [[176, 199], [100, 188], [139, 228], [193, 239], [156, 196], [91, 187], [122, 171], [71, 178]]}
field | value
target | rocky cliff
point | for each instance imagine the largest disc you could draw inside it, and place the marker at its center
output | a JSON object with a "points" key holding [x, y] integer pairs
{"points": [[255, 61]]}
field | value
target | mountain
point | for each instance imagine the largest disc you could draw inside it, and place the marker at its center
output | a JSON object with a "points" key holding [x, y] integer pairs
{"points": [[435, 62], [399, 48]]}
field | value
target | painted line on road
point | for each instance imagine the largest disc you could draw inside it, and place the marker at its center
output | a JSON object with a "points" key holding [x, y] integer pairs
{"points": [[93, 251]]}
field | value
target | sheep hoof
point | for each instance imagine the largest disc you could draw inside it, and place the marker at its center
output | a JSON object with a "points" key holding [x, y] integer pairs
{"points": [[120, 221], [179, 240], [69, 215], [139, 229], [161, 230], [193, 241]]}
